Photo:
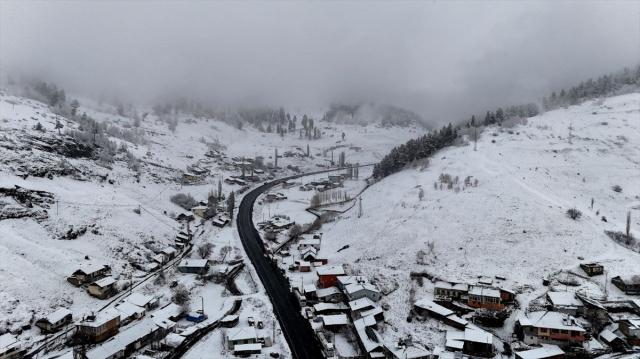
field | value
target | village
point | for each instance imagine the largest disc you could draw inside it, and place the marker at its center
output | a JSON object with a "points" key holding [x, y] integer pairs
{"points": [[481, 319]]}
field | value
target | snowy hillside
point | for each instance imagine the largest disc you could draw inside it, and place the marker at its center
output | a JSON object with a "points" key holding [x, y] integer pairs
{"points": [[513, 222], [88, 211]]}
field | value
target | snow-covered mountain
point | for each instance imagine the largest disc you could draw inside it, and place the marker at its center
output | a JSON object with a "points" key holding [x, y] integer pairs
{"points": [[504, 212], [64, 203]]}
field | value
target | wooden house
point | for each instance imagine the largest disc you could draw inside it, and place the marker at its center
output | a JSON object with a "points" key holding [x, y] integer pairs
{"points": [[55, 321], [334, 322], [565, 302], [436, 311], [103, 288], [11, 347], [242, 335], [127, 342], [145, 301], [328, 275], [450, 290], [88, 273], [543, 352], [485, 297], [199, 211], [631, 329], [129, 312], [471, 341], [613, 340], [592, 268], [345, 280], [95, 329], [330, 308], [628, 284], [329, 295], [544, 327], [194, 266], [356, 291]]}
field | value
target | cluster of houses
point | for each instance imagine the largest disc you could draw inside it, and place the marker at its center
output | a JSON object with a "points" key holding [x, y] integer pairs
{"points": [[246, 340], [104, 328], [276, 224], [331, 182], [340, 306], [569, 322], [96, 279], [479, 296]]}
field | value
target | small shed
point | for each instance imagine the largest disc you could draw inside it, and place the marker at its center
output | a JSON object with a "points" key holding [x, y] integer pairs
{"points": [[199, 211], [592, 268], [103, 288], [55, 321], [329, 295], [334, 322], [356, 291], [242, 335], [88, 273], [145, 301], [194, 266], [628, 284]]}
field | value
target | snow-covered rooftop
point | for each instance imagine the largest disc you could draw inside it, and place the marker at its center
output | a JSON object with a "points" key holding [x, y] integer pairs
{"points": [[106, 281], [484, 291], [451, 286], [361, 303], [564, 299], [242, 333], [546, 351], [193, 263], [550, 320], [140, 299], [58, 315], [433, 307], [330, 270], [335, 319]]}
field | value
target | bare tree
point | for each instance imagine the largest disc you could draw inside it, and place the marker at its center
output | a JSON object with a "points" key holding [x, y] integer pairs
{"points": [[204, 250], [628, 230]]}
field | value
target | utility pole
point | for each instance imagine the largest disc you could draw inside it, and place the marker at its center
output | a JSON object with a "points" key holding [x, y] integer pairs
{"points": [[360, 207], [570, 131], [276, 158], [475, 138]]}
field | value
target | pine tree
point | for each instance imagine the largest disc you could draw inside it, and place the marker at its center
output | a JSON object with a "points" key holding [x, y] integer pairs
{"points": [[231, 204], [74, 107]]}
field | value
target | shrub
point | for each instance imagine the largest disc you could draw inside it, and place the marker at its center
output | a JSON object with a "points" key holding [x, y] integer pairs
{"points": [[180, 295], [184, 200], [616, 188], [574, 213], [204, 250]]}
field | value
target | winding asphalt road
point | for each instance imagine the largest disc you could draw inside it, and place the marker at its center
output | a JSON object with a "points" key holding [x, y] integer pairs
{"points": [[296, 329]]}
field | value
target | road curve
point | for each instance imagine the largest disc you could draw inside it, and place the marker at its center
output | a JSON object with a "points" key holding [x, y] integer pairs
{"points": [[296, 329]]}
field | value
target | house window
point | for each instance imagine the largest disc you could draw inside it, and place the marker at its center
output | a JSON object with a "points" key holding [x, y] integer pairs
{"points": [[555, 331], [564, 331]]}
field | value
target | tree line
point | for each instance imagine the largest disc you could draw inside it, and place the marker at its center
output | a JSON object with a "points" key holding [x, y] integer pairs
{"points": [[602, 86], [413, 150]]}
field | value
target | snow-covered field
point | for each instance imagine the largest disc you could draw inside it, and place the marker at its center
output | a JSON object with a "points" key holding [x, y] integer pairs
{"points": [[513, 223], [105, 198]]}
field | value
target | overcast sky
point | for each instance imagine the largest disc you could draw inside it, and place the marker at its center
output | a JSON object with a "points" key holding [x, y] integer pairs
{"points": [[441, 59]]}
